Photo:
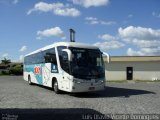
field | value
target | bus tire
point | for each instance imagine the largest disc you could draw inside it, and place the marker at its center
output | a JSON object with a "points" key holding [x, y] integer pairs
{"points": [[55, 86], [29, 80]]}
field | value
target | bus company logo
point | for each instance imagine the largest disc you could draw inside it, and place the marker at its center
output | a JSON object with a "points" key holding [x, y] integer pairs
{"points": [[37, 70]]}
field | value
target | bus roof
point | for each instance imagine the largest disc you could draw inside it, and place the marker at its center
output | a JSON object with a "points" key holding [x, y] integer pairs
{"points": [[68, 44]]}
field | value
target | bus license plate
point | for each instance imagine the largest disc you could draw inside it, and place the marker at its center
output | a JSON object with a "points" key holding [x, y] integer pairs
{"points": [[91, 88]]}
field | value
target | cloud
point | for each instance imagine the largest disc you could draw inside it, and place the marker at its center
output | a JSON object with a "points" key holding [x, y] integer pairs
{"points": [[107, 22], [145, 43], [126, 21], [23, 48], [154, 14], [5, 55], [15, 1], [140, 33], [150, 51], [91, 18], [146, 39], [57, 8], [107, 45], [110, 42], [143, 52], [131, 52], [56, 31], [21, 58], [94, 20], [107, 37], [130, 16], [91, 3]]}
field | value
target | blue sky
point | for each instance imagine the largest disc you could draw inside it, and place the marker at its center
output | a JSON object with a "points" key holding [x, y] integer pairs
{"points": [[119, 27]]}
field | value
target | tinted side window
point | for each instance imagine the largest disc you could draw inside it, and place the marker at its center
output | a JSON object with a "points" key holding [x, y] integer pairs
{"points": [[36, 58], [25, 60], [50, 56], [63, 57], [28, 60], [47, 56]]}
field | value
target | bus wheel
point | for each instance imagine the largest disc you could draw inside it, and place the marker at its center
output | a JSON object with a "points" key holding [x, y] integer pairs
{"points": [[29, 80], [55, 87]]}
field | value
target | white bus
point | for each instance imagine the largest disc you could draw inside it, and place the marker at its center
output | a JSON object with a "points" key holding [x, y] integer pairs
{"points": [[66, 66]]}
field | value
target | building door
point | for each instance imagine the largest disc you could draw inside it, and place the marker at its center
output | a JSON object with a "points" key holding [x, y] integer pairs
{"points": [[129, 73]]}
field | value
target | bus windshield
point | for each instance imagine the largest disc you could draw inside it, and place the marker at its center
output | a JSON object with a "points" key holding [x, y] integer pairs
{"points": [[87, 63]]}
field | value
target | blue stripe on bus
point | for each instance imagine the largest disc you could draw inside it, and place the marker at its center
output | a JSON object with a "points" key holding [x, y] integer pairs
{"points": [[30, 68]]}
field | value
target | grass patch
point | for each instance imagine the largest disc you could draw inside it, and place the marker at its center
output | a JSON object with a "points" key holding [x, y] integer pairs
{"points": [[147, 80], [5, 74], [130, 81], [117, 81]]}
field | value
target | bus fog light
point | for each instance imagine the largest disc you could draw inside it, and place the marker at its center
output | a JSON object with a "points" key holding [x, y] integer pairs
{"points": [[74, 80], [73, 87]]}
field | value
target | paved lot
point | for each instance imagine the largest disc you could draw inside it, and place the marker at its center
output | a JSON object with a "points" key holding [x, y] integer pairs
{"points": [[120, 98]]}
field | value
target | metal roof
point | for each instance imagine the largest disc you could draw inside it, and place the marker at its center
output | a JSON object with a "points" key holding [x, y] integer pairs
{"points": [[133, 58], [68, 44]]}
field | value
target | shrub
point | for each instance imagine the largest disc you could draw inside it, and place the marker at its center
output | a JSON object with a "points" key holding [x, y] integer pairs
{"points": [[5, 72], [16, 70]]}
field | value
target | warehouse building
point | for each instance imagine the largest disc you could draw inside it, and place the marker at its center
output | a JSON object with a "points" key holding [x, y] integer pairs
{"points": [[133, 68]]}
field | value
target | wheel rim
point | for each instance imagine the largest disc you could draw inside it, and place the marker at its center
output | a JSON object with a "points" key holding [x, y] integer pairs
{"points": [[55, 86]]}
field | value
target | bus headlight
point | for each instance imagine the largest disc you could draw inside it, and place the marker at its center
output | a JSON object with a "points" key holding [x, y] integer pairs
{"points": [[69, 78], [99, 81], [102, 81], [76, 81]]}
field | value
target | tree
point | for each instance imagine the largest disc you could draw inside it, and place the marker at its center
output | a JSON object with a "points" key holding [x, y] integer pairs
{"points": [[5, 61]]}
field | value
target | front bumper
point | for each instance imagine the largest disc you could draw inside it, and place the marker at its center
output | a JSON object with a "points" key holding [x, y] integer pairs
{"points": [[87, 87]]}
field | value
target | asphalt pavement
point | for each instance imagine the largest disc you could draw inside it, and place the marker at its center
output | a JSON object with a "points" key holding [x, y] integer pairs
{"points": [[118, 98]]}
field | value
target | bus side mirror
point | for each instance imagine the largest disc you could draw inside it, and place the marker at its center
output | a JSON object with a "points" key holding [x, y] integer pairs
{"points": [[108, 57], [69, 54]]}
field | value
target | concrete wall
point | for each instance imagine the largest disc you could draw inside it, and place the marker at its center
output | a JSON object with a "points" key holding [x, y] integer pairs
{"points": [[141, 70]]}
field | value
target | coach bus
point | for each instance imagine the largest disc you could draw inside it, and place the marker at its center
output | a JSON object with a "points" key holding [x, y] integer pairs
{"points": [[66, 66]]}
